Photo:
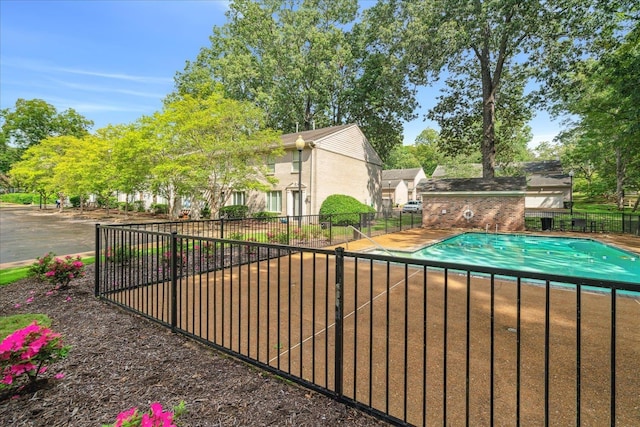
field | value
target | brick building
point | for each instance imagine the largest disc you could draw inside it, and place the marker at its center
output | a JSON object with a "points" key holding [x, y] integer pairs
{"points": [[474, 203]]}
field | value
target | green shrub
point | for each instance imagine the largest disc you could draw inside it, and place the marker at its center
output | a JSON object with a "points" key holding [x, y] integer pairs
{"points": [[159, 208], [265, 216], [75, 201], [19, 198], [234, 212], [236, 236], [125, 206], [139, 206], [205, 212], [41, 266], [274, 237], [107, 202], [121, 254], [343, 210]]}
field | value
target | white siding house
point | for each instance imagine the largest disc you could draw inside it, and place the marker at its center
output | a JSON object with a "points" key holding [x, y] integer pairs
{"points": [[335, 160]]}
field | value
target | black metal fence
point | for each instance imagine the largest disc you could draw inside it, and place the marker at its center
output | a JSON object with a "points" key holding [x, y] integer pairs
{"points": [[313, 231], [412, 342], [614, 222]]}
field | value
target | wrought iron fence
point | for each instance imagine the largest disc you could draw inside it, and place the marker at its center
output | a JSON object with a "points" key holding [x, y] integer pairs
{"points": [[314, 231], [412, 342], [614, 222]]}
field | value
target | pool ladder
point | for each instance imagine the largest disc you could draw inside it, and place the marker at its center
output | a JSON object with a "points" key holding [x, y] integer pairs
{"points": [[486, 229]]}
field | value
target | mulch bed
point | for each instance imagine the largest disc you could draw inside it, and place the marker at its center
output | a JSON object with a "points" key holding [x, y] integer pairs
{"points": [[119, 360]]}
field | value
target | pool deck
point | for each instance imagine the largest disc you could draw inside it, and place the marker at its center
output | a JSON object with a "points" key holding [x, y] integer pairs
{"points": [[417, 238]]}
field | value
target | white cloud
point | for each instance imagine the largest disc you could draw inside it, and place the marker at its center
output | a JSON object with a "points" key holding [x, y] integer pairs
{"points": [[45, 68], [105, 89], [128, 77]]}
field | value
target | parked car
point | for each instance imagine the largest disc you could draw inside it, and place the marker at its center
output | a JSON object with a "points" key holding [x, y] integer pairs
{"points": [[412, 206]]}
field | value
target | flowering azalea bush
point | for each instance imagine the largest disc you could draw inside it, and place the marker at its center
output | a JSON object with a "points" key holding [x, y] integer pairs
{"points": [[42, 265], [156, 417], [27, 352], [63, 271], [181, 260], [117, 253]]}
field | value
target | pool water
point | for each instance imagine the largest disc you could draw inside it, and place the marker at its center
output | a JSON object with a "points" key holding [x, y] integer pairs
{"points": [[552, 255]]}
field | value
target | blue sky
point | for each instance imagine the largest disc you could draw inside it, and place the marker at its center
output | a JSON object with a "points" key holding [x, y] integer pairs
{"points": [[114, 61]]}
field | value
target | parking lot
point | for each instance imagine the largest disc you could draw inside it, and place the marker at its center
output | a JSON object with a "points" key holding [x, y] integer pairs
{"points": [[27, 232]]}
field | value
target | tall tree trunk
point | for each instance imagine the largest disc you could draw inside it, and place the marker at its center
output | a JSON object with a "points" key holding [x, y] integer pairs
{"points": [[488, 144], [620, 174]]}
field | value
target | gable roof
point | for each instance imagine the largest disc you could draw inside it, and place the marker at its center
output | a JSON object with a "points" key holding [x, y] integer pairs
{"points": [[541, 167], [312, 136], [336, 139], [398, 174], [468, 185]]}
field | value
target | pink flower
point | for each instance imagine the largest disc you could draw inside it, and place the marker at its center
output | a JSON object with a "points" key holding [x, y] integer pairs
{"points": [[59, 375], [29, 300], [50, 273], [16, 306], [68, 299], [125, 416]]}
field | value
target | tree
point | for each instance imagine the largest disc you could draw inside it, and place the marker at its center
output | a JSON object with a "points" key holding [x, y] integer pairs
{"points": [[30, 122], [298, 62], [72, 175], [401, 157], [127, 158], [208, 148], [605, 99], [36, 170], [488, 45]]}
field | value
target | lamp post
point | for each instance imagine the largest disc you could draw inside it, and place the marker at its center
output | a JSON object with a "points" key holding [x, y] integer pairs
{"points": [[300, 146], [571, 193]]}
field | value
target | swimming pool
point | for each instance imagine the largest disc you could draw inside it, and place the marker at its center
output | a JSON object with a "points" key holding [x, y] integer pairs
{"points": [[541, 254]]}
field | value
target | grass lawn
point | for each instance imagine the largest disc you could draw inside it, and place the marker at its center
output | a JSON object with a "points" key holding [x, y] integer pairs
{"points": [[10, 275]]}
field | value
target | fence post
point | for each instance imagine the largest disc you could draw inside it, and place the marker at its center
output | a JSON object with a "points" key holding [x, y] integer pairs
{"points": [[288, 230], [174, 280], [222, 228], [339, 356], [330, 229], [96, 291]]}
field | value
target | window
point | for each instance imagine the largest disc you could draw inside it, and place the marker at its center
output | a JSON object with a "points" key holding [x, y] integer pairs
{"points": [[294, 163], [271, 165], [238, 198], [274, 201]]}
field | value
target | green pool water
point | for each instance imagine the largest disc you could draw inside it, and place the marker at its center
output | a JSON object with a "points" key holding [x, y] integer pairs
{"points": [[552, 255]]}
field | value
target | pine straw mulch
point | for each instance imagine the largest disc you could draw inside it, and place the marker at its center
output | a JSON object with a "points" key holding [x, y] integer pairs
{"points": [[119, 360]]}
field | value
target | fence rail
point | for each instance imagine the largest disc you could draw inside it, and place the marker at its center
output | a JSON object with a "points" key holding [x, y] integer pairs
{"points": [[308, 230], [614, 222], [412, 342]]}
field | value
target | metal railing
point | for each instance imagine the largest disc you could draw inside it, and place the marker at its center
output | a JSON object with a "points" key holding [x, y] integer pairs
{"points": [[313, 231], [562, 220], [412, 342]]}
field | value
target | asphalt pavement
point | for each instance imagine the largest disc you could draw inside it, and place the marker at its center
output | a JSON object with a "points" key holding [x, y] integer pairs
{"points": [[28, 232]]}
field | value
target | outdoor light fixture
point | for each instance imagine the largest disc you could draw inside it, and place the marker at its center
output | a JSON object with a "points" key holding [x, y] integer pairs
{"points": [[300, 146], [571, 193]]}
